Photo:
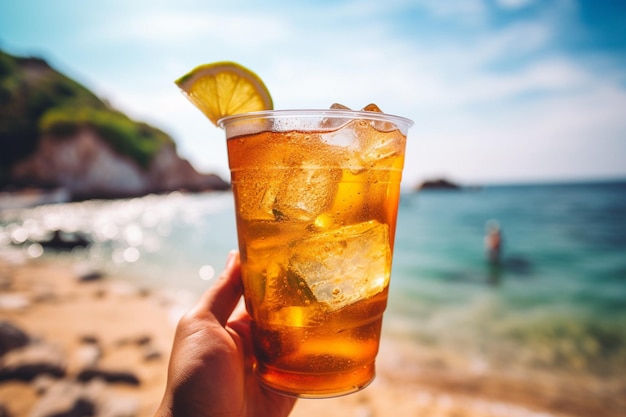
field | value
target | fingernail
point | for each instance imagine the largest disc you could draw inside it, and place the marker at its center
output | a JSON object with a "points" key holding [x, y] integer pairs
{"points": [[231, 259]]}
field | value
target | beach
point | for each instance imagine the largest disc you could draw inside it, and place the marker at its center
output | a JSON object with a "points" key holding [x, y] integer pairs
{"points": [[111, 340], [541, 334]]}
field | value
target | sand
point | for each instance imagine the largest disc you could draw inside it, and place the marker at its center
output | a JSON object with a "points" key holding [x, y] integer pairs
{"points": [[134, 328]]}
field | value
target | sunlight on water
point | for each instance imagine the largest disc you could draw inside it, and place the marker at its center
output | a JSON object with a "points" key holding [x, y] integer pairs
{"points": [[159, 240]]}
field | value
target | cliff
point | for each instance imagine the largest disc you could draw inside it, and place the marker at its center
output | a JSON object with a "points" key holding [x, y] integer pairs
{"points": [[55, 133], [88, 167]]}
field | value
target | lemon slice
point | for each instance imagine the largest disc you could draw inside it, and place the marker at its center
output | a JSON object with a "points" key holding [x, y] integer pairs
{"points": [[224, 89]]}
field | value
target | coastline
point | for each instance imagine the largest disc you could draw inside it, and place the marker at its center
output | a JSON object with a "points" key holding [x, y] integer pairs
{"points": [[104, 324]]}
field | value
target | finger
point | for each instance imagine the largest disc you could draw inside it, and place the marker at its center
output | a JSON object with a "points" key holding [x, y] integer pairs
{"points": [[240, 323], [220, 300]]}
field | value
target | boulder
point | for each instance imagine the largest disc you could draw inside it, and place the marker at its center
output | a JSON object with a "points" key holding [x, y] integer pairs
{"points": [[31, 361], [117, 406], [14, 302], [87, 356], [438, 184], [110, 376], [91, 276], [64, 399], [11, 337]]}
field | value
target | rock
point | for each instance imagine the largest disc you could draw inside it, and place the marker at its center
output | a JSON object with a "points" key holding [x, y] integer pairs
{"points": [[30, 361], [6, 282], [86, 273], [13, 302], [87, 356], [67, 398], [64, 399], [90, 339], [144, 340], [42, 383], [110, 376], [91, 276], [438, 184], [118, 407], [63, 241], [140, 340], [44, 294], [4, 412], [11, 337], [109, 404], [151, 353]]}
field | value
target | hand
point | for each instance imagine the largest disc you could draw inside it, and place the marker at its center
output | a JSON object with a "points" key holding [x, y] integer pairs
{"points": [[210, 369]]}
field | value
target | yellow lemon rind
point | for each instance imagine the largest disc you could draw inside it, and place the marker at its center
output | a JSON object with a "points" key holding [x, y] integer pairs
{"points": [[225, 88]]}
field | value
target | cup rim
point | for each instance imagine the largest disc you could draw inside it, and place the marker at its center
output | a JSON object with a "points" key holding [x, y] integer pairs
{"points": [[335, 113]]}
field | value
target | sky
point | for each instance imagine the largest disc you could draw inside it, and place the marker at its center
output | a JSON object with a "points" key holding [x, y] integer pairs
{"points": [[501, 91]]}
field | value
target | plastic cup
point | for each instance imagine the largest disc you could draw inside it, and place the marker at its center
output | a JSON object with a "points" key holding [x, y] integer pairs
{"points": [[316, 197]]}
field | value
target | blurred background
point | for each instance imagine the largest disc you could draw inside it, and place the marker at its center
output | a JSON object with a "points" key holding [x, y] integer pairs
{"points": [[520, 123], [500, 90]]}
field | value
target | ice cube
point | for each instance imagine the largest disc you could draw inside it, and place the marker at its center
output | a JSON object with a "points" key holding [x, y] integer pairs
{"points": [[257, 173], [351, 199], [364, 144], [379, 141], [287, 301], [255, 191], [269, 285], [297, 316], [378, 148], [372, 107], [344, 265], [306, 192], [292, 316], [332, 123], [297, 186], [261, 265], [380, 125]]}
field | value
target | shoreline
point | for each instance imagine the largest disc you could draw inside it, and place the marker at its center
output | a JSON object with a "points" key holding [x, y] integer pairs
{"points": [[101, 323]]}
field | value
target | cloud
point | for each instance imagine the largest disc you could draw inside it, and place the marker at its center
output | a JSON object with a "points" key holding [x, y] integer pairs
{"points": [[419, 75], [176, 27], [572, 134]]}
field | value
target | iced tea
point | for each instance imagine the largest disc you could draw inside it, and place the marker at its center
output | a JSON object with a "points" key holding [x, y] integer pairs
{"points": [[316, 194]]}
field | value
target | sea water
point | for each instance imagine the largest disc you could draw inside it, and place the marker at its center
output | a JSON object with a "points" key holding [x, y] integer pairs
{"points": [[555, 301]]}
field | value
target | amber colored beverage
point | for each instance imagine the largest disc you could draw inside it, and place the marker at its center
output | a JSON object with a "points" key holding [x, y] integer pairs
{"points": [[316, 195]]}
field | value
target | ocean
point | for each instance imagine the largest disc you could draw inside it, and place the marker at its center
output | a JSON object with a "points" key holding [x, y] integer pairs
{"points": [[556, 301]]}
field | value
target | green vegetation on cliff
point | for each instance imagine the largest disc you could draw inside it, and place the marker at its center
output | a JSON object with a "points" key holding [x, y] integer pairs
{"points": [[139, 141], [35, 99]]}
